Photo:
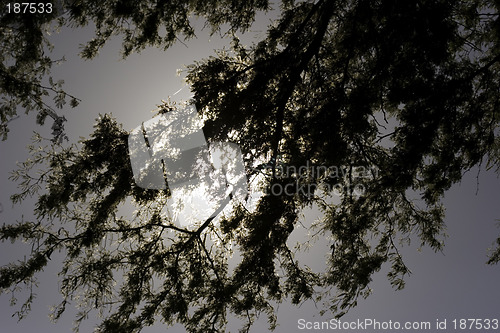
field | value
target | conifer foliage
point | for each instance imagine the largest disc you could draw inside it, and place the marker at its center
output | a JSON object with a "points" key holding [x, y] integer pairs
{"points": [[408, 91]]}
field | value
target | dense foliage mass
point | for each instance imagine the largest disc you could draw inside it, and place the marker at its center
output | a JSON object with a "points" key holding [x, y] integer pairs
{"points": [[408, 90]]}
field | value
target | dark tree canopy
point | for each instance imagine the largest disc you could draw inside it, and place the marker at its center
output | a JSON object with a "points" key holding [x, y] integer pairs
{"points": [[25, 66], [321, 89]]}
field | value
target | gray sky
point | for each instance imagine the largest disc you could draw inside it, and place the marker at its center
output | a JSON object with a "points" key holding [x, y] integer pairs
{"points": [[454, 284]]}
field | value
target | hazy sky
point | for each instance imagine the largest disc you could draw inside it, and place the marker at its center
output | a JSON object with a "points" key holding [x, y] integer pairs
{"points": [[454, 284]]}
